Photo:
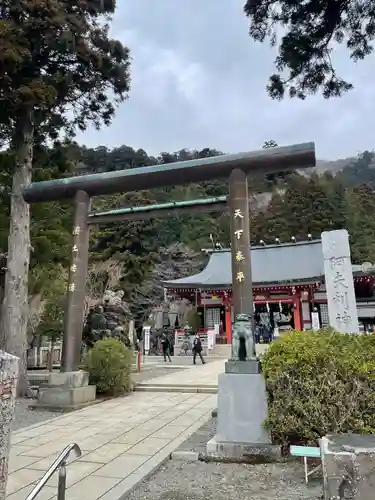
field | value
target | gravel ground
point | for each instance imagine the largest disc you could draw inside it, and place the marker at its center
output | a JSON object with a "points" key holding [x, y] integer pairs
{"points": [[178, 480], [24, 417]]}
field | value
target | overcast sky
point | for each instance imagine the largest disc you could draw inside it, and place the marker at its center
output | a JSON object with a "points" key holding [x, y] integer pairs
{"points": [[199, 81]]}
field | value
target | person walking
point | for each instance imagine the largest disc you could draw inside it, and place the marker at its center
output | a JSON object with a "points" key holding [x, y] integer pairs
{"points": [[166, 347], [197, 349]]}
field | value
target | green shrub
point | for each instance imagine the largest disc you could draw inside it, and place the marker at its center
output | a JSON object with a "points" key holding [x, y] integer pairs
{"points": [[319, 382], [109, 365]]}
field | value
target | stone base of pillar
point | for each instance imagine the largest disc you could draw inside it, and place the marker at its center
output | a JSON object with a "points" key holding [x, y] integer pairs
{"points": [[251, 367], [242, 452], [241, 412], [348, 462], [66, 391]]}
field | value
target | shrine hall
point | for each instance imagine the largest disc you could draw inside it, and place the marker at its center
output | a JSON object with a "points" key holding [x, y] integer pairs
{"points": [[288, 289]]}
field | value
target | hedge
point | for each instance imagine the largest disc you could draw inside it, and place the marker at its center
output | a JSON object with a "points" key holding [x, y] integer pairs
{"points": [[109, 365], [318, 383]]}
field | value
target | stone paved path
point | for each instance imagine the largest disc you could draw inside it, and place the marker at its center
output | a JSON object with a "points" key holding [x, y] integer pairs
{"points": [[24, 417], [123, 440], [196, 375]]}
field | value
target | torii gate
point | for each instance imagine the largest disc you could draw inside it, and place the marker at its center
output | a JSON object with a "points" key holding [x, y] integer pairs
{"points": [[82, 188]]}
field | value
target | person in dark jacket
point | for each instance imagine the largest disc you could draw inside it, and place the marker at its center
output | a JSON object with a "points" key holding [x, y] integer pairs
{"points": [[197, 349], [166, 347]]}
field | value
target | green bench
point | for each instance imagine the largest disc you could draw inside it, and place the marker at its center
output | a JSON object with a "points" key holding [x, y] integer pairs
{"points": [[306, 452]]}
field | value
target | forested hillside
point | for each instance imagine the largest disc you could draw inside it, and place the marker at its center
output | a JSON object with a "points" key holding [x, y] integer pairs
{"points": [[136, 255]]}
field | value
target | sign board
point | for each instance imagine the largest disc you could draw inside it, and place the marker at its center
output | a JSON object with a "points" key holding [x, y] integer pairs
{"points": [[315, 323], [131, 331], [146, 338], [211, 337]]}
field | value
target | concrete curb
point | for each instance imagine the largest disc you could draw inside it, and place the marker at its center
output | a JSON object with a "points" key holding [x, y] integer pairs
{"points": [[147, 476], [181, 389], [186, 456]]}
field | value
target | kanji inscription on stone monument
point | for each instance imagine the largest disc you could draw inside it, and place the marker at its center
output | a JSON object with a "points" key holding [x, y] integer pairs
{"points": [[342, 307]]}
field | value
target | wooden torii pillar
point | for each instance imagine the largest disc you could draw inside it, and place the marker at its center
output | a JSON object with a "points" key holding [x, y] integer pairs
{"points": [[242, 285], [75, 304]]}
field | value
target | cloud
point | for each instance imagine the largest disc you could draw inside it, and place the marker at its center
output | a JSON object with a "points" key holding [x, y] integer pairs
{"points": [[199, 81]]}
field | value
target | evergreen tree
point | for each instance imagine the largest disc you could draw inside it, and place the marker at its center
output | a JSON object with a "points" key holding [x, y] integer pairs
{"points": [[276, 220], [360, 171], [296, 199], [132, 242], [310, 30], [59, 71], [361, 223], [320, 208], [269, 144]]}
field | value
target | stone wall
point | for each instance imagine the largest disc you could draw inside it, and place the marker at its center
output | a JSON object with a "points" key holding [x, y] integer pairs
{"points": [[9, 366], [348, 462]]}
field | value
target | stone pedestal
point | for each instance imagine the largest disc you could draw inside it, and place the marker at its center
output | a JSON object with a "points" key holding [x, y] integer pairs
{"points": [[242, 410], [9, 366], [66, 391], [348, 462], [250, 367]]}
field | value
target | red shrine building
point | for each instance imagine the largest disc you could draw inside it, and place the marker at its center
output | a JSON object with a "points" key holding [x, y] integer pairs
{"points": [[288, 287]]}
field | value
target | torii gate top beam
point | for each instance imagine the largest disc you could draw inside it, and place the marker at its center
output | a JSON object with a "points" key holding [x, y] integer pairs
{"points": [[173, 174]]}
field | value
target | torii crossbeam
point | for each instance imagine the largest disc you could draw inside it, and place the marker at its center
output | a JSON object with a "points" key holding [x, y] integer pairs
{"points": [[174, 174]]}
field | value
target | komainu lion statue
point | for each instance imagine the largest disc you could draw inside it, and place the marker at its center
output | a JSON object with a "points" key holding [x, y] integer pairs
{"points": [[243, 348]]}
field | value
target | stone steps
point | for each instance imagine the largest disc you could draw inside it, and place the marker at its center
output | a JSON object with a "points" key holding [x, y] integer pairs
{"points": [[188, 389], [222, 351]]}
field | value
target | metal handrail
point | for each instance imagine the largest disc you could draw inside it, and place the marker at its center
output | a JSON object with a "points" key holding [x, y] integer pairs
{"points": [[58, 464]]}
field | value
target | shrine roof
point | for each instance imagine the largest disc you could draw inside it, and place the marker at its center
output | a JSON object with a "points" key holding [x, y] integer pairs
{"points": [[271, 264]]}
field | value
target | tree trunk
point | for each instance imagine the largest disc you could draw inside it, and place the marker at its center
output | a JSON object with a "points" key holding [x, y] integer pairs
{"points": [[15, 307], [50, 356]]}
